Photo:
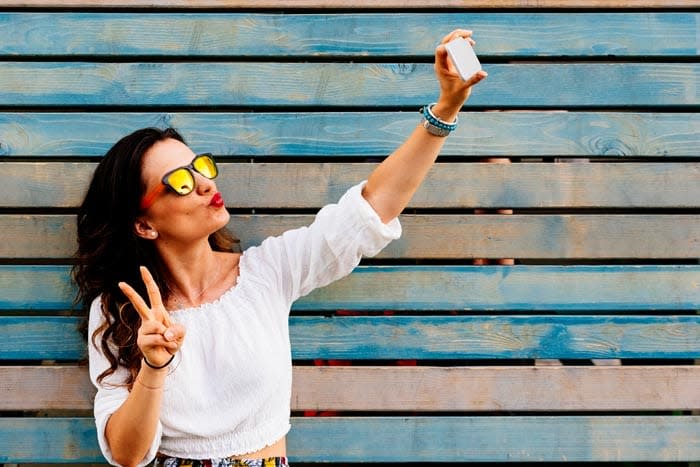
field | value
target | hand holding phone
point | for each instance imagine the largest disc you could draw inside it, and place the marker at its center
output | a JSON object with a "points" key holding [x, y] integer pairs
{"points": [[463, 57]]}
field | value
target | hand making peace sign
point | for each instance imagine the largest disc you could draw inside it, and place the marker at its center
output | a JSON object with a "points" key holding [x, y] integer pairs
{"points": [[158, 337]]}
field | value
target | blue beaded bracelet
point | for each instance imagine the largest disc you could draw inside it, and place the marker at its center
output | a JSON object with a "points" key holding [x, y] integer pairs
{"points": [[434, 125]]}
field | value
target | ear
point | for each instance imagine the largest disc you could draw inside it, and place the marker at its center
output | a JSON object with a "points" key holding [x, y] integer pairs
{"points": [[144, 229]]}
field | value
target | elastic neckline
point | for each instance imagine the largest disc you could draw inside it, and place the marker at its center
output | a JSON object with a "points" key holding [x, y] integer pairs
{"points": [[217, 301]]}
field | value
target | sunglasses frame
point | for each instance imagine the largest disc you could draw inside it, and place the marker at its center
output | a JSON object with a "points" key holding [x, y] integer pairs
{"points": [[150, 197]]}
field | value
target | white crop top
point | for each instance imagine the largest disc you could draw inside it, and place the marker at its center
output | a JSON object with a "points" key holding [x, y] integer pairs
{"points": [[229, 388]]}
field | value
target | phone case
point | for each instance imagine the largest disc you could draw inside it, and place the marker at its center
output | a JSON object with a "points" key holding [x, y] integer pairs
{"points": [[462, 55]]}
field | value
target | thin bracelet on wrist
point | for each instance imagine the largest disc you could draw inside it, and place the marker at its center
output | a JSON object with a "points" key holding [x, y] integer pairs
{"points": [[150, 365], [153, 388]]}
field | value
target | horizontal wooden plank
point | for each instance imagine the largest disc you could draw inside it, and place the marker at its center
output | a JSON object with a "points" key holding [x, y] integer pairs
{"points": [[496, 388], [347, 34], [362, 388], [367, 85], [46, 388], [430, 236], [364, 4], [410, 439], [461, 439], [484, 337], [366, 134], [58, 440], [448, 185], [521, 287], [419, 337], [41, 338]]}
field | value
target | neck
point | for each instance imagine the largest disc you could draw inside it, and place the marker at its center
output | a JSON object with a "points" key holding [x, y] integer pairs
{"points": [[193, 271]]}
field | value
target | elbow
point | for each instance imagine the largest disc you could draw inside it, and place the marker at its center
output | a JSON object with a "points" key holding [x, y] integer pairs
{"points": [[386, 207], [125, 459]]}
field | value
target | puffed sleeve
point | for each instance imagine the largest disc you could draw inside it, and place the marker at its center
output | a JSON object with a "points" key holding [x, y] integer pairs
{"points": [[110, 392], [330, 248]]}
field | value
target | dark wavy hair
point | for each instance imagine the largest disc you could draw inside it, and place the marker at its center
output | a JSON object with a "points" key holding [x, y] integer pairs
{"points": [[109, 251]]}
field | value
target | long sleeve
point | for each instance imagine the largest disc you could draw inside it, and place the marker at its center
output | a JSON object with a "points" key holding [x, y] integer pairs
{"points": [[111, 393], [306, 258]]}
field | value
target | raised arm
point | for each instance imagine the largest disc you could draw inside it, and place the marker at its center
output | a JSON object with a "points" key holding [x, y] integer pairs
{"points": [[392, 184]]}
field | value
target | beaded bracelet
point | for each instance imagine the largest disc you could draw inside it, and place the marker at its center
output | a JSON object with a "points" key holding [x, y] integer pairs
{"points": [[150, 365], [434, 125]]}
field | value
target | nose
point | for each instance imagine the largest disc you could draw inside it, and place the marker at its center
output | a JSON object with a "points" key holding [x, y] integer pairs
{"points": [[204, 185]]}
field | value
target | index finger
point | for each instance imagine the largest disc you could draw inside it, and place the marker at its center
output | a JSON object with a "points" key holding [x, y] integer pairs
{"points": [[136, 300]]}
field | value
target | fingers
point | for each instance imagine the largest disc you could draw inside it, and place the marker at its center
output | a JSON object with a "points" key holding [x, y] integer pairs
{"points": [[478, 76], [155, 336], [174, 333], [139, 304], [154, 294], [457, 33]]}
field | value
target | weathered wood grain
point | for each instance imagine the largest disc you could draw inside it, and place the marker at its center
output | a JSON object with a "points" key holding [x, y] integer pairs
{"points": [[495, 388], [364, 4], [402, 389], [430, 236], [347, 34], [502, 439], [530, 337], [410, 439], [419, 337], [361, 134], [41, 338], [591, 288], [448, 185], [368, 85], [46, 388]]}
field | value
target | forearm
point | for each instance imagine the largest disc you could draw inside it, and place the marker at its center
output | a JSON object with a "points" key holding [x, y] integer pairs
{"points": [[393, 183], [131, 429]]}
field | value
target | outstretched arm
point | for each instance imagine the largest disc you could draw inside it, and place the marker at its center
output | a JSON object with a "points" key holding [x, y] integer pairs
{"points": [[392, 184]]}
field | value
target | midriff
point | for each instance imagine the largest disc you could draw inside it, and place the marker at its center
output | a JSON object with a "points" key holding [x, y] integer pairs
{"points": [[279, 449]]}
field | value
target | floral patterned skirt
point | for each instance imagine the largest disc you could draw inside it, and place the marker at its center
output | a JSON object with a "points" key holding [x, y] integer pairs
{"points": [[165, 461]]}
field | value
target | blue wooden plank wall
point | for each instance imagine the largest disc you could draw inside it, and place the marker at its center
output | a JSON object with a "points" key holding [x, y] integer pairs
{"points": [[597, 110]]}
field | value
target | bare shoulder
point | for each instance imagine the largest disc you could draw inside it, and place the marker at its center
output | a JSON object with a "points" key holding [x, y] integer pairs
{"points": [[229, 262]]}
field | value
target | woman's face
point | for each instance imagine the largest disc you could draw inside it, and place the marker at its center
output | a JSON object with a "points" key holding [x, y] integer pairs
{"points": [[175, 218]]}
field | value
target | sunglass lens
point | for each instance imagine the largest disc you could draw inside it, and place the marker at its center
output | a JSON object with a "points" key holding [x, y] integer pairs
{"points": [[181, 181], [206, 166]]}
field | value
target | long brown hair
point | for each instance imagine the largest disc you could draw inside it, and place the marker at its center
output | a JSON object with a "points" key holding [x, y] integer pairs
{"points": [[109, 251]]}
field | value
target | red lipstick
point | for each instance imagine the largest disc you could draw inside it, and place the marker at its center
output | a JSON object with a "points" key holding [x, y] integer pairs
{"points": [[217, 200]]}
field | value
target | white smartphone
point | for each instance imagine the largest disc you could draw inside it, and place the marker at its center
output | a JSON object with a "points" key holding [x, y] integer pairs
{"points": [[462, 55]]}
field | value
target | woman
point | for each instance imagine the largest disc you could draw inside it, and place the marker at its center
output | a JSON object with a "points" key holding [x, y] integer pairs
{"points": [[202, 369]]}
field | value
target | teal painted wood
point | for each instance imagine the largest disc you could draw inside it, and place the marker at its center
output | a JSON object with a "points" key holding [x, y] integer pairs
{"points": [[563, 288], [410, 439], [463, 185], [340, 84], [417, 337], [383, 34], [59, 440], [486, 337], [602, 134], [41, 338], [502, 439], [430, 236]]}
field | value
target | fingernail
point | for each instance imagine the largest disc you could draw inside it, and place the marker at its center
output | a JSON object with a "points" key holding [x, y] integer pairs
{"points": [[169, 335]]}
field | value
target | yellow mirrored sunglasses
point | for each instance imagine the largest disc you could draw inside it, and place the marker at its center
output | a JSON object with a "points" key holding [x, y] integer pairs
{"points": [[181, 179]]}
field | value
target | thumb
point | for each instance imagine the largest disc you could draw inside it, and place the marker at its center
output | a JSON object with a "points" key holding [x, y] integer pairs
{"points": [[441, 58]]}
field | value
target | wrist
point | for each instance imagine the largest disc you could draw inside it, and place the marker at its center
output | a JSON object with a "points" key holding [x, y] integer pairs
{"points": [[434, 125], [150, 365], [150, 378], [445, 110]]}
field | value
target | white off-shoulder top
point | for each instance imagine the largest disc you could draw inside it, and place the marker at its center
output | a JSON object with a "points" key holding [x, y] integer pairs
{"points": [[229, 388]]}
